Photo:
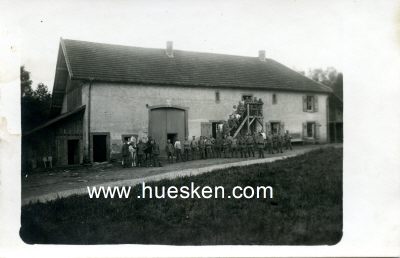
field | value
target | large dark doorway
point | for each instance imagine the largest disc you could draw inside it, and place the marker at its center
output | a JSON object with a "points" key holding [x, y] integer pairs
{"points": [[99, 148], [73, 152], [172, 137]]}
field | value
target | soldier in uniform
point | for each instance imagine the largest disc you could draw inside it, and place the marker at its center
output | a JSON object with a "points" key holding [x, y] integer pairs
{"points": [[234, 147], [269, 143], [140, 153], [148, 152], [186, 148], [125, 154], [225, 144], [202, 147], [169, 149], [156, 154], [218, 146], [274, 142], [250, 144], [208, 143], [288, 140], [281, 142], [260, 145], [276, 139], [195, 148], [213, 147]]}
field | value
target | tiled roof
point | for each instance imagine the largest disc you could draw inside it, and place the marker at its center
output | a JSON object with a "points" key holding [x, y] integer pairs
{"points": [[55, 120], [116, 63]]}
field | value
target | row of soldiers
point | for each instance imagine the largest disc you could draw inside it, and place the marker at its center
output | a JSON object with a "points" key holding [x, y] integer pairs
{"points": [[242, 146]]}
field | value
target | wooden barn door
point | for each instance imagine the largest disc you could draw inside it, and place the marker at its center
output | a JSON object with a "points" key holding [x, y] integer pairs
{"points": [[164, 121]]}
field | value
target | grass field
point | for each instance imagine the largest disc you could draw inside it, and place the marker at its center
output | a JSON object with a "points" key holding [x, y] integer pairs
{"points": [[306, 210]]}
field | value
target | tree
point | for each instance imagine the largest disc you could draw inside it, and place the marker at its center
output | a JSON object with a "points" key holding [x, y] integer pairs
{"points": [[42, 93], [26, 82], [327, 76], [35, 104]]}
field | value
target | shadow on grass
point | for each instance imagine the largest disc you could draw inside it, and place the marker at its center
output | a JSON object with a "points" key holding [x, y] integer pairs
{"points": [[306, 210]]}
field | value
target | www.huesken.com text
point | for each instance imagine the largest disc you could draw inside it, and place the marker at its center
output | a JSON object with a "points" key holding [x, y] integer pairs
{"points": [[185, 192]]}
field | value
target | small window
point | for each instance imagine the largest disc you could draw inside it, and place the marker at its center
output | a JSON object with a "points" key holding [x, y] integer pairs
{"points": [[217, 96], [247, 97], [310, 103], [310, 129], [274, 99], [275, 127]]}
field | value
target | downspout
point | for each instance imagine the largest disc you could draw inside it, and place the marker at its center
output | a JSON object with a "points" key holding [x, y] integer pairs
{"points": [[89, 115]]}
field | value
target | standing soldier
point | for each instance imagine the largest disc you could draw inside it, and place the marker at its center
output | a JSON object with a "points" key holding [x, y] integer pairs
{"points": [[208, 144], [195, 148], [156, 154], [186, 148], [214, 146], [125, 154], [225, 146], [202, 147], [140, 153], [218, 146], [241, 108], [281, 142], [148, 151], [269, 142], [288, 140], [250, 144], [234, 147], [169, 149], [260, 145], [277, 142], [178, 150]]}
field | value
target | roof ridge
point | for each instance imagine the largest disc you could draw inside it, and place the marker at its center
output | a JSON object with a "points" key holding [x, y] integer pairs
{"points": [[162, 49], [131, 64]]}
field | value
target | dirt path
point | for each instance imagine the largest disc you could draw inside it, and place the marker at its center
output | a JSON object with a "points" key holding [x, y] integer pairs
{"points": [[49, 186]]}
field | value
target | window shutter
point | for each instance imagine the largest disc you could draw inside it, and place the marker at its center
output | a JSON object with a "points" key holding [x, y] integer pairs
{"points": [[304, 103], [304, 130], [315, 103], [206, 129], [316, 127], [282, 127]]}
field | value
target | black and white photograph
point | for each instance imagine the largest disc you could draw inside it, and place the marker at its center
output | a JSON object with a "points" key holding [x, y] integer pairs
{"points": [[172, 123]]}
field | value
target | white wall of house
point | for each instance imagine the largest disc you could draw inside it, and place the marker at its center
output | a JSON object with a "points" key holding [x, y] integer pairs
{"points": [[122, 109]]}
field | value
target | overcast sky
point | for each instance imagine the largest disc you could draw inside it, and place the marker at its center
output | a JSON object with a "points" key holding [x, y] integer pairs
{"points": [[299, 34]]}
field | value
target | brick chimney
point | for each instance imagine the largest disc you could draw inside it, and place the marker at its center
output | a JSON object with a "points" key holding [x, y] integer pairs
{"points": [[169, 50], [261, 55]]}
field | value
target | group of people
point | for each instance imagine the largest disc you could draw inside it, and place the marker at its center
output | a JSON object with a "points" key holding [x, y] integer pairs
{"points": [[145, 154], [140, 154], [242, 146]]}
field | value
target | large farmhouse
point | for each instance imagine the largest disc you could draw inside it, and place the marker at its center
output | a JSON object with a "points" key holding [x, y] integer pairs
{"points": [[104, 93]]}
